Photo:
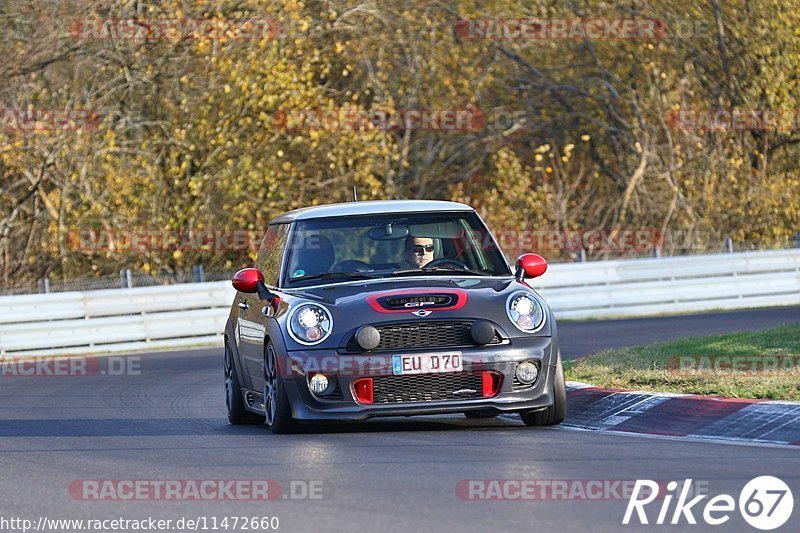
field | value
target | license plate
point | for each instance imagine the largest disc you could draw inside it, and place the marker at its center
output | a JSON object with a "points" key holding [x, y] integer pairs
{"points": [[428, 363]]}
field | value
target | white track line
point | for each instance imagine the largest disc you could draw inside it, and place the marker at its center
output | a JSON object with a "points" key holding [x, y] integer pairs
{"points": [[702, 440]]}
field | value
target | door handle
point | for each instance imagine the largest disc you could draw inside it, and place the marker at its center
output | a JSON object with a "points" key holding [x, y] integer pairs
{"points": [[243, 305]]}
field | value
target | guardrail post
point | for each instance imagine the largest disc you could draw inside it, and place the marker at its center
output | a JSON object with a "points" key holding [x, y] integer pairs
{"points": [[199, 274], [729, 245], [44, 285], [125, 278]]}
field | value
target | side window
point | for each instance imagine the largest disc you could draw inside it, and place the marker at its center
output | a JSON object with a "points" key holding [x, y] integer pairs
{"points": [[270, 254]]}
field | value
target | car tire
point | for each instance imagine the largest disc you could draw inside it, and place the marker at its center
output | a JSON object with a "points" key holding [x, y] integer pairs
{"points": [[276, 402], [238, 415], [556, 412]]}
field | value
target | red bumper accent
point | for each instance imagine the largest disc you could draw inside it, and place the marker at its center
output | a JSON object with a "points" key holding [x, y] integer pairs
{"points": [[491, 384], [362, 390]]}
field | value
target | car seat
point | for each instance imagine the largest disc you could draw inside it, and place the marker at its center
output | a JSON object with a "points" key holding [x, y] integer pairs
{"points": [[316, 255]]}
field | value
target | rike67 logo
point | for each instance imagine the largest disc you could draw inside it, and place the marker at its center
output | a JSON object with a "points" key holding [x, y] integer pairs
{"points": [[765, 503]]}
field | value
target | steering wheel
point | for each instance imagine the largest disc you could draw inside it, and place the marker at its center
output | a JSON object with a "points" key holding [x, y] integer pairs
{"points": [[351, 265], [444, 262]]}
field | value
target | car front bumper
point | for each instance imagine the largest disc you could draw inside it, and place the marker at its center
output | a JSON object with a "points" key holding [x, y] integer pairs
{"points": [[347, 368]]}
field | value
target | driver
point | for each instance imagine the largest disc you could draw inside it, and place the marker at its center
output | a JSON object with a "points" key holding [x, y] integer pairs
{"points": [[418, 252]]}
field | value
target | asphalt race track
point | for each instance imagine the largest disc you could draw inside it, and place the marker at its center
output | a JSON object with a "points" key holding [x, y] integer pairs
{"points": [[167, 422]]}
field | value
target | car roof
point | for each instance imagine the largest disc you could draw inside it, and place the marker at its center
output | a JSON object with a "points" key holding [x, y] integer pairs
{"points": [[371, 207]]}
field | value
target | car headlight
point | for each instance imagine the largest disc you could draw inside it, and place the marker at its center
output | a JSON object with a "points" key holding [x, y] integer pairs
{"points": [[310, 323], [525, 311]]}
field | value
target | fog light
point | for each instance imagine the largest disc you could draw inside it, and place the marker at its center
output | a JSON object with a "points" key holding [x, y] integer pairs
{"points": [[482, 332], [527, 372], [368, 337], [319, 384]]}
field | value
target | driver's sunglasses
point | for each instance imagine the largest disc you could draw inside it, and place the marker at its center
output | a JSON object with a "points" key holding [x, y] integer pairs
{"points": [[421, 248]]}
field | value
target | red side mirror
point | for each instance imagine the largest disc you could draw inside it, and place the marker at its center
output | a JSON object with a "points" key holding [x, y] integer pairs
{"points": [[530, 266], [247, 280]]}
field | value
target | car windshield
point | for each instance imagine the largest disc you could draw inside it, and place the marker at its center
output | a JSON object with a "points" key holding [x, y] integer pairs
{"points": [[392, 245]]}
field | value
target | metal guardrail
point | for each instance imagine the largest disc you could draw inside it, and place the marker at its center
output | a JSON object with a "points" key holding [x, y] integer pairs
{"points": [[642, 287], [194, 314]]}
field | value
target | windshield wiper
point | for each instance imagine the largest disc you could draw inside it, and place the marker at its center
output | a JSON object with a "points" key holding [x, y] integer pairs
{"points": [[458, 270], [423, 271], [334, 275]]}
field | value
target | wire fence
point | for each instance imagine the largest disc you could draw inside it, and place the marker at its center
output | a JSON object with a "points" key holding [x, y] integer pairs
{"points": [[126, 279]]}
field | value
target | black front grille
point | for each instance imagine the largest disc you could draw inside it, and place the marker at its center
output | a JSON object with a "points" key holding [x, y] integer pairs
{"points": [[432, 334], [427, 388]]}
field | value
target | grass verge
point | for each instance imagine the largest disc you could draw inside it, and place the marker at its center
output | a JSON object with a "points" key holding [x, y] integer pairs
{"points": [[761, 364]]}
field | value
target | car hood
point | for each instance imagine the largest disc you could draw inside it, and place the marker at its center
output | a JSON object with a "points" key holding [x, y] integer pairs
{"points": [[354, 304], [345, 293]]}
